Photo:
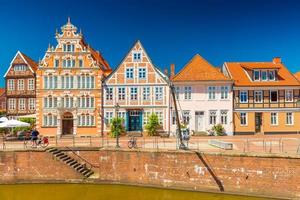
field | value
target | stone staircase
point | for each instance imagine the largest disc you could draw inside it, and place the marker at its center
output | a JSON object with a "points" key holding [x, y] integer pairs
{"points": [[68, 160]]}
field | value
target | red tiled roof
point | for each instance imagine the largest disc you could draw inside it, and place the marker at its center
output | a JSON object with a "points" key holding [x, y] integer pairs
{"points": [[198, 69], [297, 75], [238, 71], [30, 62]]}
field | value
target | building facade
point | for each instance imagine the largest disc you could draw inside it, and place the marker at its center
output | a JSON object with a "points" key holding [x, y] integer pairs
{"points": [[204, 97], [20, 86], [2, 101], [139, 89], [69, 78], [266, 97]]}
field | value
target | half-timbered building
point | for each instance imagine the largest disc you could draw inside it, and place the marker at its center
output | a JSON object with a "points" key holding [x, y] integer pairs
{"points": [[266, 97], [69, 81], [20, 86], [137, 88]]}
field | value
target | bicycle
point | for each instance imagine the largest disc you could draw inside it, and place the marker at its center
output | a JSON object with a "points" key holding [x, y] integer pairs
{"points": [[132, 143], [40, 142]]}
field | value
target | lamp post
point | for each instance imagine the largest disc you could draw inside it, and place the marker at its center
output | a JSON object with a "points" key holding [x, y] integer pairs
{"points": [[117, 107]]}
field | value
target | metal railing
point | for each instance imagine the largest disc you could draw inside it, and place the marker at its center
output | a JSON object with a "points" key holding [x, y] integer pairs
{"points": [[266, 145]]}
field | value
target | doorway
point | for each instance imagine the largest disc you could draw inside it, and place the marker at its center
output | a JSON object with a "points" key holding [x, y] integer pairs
{"points": [[67, 123], [258, 122], [135, 120], [199, 117]]}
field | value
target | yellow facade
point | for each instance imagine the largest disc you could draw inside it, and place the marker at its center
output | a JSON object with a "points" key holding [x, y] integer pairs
{"points": [[69, 87]]}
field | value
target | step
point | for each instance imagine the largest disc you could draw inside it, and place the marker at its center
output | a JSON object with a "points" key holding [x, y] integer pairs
{"points": [[56, 152], [52, 150], [72, 163], [60, 154], [71, 160], [62, 157], [49, 149], [89, 174], [81, 170], [86, 172], [77, 165], [66, 159]]}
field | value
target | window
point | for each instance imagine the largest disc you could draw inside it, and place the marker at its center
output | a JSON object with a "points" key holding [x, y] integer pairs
{"points": [[243, 96], [258, 96], [11, 84], [142, 73], [45, 82], [146, 93], [212, 117], [243, 118], [177, 91], [272, 75], [256, 75], [274, 118], [86, 120], [274, 96], [129, 73], [224, 92], [186, 117], [56, 63], [68, 47], [80, 63], [30, 84], [50, 120], [146, 117], [69, 63], [160, 117], [289, 95], [20, 68], [21, 84], [50, 102], [264, 76], [31, 104], [289, 119], [133, 93], [86, 102], [109, 93], [187, 93], [85, 82], [11, 104], [108, 117], [158, 93], [21, 104], [211, 92], [136, 57], [224, 116], [121, 93]]}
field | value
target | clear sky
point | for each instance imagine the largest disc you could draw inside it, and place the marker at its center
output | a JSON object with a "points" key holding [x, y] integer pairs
{"points": [[171, 31]]}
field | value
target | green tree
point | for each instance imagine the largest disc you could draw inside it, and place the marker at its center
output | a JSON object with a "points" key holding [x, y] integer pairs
{"points": [[116, 127], [153, 125], [218, 130], [29, 120]]}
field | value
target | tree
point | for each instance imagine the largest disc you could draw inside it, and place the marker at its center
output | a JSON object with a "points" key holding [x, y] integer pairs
{"points": [[116, 127], [29, 120], [152, 125], [217, 130]]}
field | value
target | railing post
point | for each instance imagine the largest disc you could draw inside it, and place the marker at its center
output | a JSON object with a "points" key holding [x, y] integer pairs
{"points": [[73, 141], [55, 140], [90, 141]]}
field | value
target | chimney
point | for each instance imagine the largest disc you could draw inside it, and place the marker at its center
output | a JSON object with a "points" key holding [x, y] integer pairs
{"points": [[166, 72], [172, 73], [276, 60]]}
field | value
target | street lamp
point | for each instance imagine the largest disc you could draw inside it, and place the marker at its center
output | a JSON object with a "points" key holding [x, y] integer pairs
{"points": [[117, 107]]}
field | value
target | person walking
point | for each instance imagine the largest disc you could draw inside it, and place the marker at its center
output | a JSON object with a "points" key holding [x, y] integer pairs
{"points": [[34, 137]]}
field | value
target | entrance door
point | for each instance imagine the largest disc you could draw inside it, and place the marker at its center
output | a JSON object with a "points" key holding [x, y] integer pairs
{"points": [[199, 117], [258, 122], [135, 120], [67, 124]]}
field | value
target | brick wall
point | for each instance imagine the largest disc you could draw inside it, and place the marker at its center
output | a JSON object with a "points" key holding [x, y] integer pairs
{"points": [[253, 175]]}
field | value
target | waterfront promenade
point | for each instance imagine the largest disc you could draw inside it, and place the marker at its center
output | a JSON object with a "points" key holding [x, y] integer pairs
{"points": [[267, 144]]}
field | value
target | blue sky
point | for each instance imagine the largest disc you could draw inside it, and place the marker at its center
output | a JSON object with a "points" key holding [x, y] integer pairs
{"points": [[171, 31]]}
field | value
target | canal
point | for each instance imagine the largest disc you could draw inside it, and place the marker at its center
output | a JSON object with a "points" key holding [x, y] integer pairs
{"points": [[103, 192]]}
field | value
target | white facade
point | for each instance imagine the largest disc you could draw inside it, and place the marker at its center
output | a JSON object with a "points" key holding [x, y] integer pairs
{"points": [[202, 104]]}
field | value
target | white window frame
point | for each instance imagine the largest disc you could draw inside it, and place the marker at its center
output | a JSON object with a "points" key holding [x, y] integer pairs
{"points": [[264, 71], [212, 93], [22, 104], [109, 93], [247, 96], [258, 75], [129, 73], [143, 72], [177, 92], [146, 93], [287, 122], [134, 93], [122, 93], [159, 91], [137, 59], [286, 97], [30, 84], [260, 92], [224, 117], [245, 116], [11, 84], [11, 104], [274, 121], [224, 92], [21, 85], [274, 75], [187, 93], [212, 118]]}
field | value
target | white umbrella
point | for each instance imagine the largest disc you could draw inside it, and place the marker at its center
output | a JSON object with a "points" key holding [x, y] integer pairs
{"points": [[13, 124], [3, 119]]}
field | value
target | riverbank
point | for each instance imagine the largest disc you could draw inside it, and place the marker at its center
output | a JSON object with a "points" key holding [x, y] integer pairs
{"points": [[257, 175]]}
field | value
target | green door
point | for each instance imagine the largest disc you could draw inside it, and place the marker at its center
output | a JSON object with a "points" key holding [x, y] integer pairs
{"points": [[135, 120]]}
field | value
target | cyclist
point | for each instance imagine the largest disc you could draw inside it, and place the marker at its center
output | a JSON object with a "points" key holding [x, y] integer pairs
{"points": [[34, 137]]}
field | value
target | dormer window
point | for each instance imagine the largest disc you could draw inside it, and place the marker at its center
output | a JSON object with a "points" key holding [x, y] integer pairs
{"points": [[264, 76], [20, 68], [256, 75], [272, 75], [137, 57]]}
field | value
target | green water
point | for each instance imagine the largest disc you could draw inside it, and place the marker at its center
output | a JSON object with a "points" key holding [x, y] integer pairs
{"points": [[103, 192]]}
